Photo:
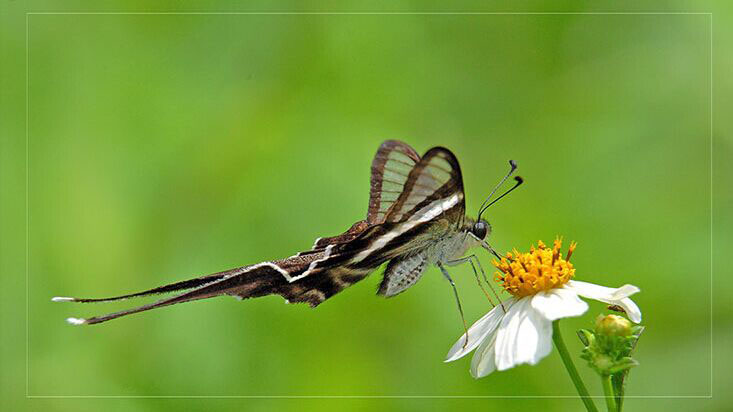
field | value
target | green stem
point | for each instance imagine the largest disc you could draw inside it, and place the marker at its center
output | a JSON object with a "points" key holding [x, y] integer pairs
{"points": [[608, 391], [574, 376]]}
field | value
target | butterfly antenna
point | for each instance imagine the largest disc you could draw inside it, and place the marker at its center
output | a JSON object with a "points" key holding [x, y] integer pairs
{"points": [[519, 181], [481, 209]]}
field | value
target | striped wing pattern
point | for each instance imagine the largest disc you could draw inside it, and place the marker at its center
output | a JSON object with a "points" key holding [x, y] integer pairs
{"points": [[430, 207], [391, 168], [437, 176], [413, 202]]}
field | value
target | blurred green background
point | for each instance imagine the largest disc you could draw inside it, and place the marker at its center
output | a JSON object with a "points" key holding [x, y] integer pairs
{"points": [[166, 146]]}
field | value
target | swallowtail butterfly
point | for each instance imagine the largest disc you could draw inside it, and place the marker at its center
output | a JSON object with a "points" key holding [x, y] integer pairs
{"points": [[416, 218]]}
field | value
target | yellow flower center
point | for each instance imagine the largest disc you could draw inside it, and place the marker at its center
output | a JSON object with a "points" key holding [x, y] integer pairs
{"points": [[525, 274]]}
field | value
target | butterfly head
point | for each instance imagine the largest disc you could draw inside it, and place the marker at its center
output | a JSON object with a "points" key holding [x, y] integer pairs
{"points": [[481, 229]]}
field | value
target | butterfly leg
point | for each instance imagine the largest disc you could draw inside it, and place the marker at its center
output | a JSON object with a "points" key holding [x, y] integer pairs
{"points": [[458, 300], [470, 259]]}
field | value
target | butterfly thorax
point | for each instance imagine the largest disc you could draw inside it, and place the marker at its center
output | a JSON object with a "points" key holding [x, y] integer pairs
{"points": [[454, 244]]}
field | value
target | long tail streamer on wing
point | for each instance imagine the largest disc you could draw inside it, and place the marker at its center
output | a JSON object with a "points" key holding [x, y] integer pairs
{"points": [[298, 278], [173, 287], [203, 287]]}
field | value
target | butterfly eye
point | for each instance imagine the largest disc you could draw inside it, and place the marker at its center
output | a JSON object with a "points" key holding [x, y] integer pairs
{"points": [[481, 229]]}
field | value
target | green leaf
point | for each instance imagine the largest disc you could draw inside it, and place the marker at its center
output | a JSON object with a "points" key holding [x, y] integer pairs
{"points": [[585, 337], [623, 365]]}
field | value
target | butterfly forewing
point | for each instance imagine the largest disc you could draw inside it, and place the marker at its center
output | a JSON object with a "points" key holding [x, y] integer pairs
{"points": [[429, 210], [434, 189], [391, 168]]}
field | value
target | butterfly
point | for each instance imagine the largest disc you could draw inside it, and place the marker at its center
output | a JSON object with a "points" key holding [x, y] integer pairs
{"points": [[416, 218]]}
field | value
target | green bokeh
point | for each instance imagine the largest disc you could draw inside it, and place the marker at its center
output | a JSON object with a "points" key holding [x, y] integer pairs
{"points": [[166, 146]]}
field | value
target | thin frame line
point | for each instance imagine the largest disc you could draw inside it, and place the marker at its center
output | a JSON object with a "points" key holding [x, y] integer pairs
{"points": [[27, 213], [370, 13], [27, 217], [711, 205], [358, 396]]}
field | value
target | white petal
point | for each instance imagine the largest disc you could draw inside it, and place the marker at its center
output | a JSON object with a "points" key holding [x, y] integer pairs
{"points": [[617, 296], [558, 303], [484, 359], [631, 309], [625, 291], [524, 336], [601, 293], [478, 331]]}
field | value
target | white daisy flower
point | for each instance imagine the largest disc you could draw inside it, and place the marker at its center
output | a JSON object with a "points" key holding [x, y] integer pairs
{"points": [[520, 329]]}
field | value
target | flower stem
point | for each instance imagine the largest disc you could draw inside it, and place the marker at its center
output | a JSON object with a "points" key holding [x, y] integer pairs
{"points": [[574, 376], [608, 391]]}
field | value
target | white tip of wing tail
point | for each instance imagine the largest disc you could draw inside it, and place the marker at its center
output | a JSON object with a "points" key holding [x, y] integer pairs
{"points": [[62, 299], [76, 321]]}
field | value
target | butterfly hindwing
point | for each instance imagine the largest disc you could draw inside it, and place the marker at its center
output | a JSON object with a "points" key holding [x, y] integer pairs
{"points": [[266, 278], [355, 230]]}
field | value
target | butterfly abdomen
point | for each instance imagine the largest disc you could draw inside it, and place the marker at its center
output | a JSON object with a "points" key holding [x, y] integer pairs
{"points": [[401, 273]]}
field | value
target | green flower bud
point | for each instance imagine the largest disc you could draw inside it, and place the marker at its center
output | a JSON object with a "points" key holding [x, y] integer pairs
{"points": [[613, 325], [603, 362], [608, 347]]}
